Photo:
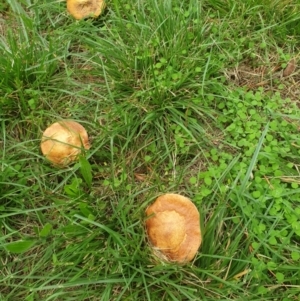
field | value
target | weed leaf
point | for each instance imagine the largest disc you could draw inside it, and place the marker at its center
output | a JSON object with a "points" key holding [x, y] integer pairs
{"points": [[20, 246], [86, 170], [46, 230]]}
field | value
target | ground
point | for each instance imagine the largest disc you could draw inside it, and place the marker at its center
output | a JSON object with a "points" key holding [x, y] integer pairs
{"points": [[199, 98]]}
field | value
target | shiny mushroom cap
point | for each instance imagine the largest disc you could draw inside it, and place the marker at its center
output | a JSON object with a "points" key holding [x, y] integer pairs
{"points": [[80, 9], [63, 141], [173, 228]]}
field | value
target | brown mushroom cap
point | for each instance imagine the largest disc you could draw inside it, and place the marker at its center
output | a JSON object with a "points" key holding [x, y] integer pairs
{"points": [[63, 141], [173, 227], [80, 9]]}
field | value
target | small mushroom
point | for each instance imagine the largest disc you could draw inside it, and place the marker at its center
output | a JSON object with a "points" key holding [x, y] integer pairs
{"points": [[63, 141], [80, 9], [173, 228]]}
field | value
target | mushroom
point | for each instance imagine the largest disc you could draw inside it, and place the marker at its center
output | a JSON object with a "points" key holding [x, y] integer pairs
{"points": [[80, 9], [173, 228], [63, 141]]}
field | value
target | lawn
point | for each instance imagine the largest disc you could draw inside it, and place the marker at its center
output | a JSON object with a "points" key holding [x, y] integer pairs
{"points": [[199, 98]]}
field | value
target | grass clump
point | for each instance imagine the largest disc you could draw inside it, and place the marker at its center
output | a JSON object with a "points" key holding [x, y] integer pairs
{"points": [[184, 97]]}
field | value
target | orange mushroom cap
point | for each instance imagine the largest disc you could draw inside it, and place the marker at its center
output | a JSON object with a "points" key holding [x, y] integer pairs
{"points": [[80, 9], [63, 141], [173, 227]]}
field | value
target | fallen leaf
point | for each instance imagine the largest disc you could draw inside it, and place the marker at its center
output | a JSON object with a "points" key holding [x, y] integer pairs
{"points": [[140, 177], [290, 68]]}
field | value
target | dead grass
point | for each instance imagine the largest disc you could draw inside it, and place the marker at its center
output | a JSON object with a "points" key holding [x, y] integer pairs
{"points": [[2, 25], [270, 75]]}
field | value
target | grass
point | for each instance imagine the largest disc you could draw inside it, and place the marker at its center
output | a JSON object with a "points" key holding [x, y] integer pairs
{"points": [[177, 96]]}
